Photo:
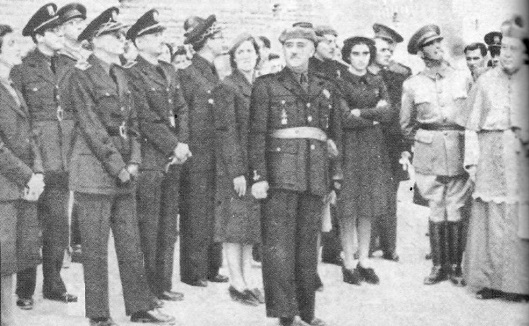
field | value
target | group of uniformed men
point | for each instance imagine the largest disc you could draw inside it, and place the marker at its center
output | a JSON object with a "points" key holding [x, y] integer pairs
{"points": [[117, 137]]}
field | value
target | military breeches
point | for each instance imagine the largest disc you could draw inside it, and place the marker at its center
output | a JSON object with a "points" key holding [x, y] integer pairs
{"points": [[331, 243], [200, 256], [446, 196], [157, 224], [290, 226], [97, 215]]}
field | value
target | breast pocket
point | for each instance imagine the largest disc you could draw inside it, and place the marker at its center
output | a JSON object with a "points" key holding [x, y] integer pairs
{"points": [[282, 157], [39, 94], [283, 112]]}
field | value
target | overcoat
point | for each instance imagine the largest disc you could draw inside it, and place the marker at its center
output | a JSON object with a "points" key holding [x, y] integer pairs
{"points": [[19, 159], [106, 129], [236, 218]]}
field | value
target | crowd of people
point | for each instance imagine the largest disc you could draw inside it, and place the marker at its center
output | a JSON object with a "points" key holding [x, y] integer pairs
{"points": [[108, 127]]}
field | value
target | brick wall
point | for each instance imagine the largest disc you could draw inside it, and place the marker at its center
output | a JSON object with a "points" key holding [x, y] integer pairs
{"points": [[462, 20]]}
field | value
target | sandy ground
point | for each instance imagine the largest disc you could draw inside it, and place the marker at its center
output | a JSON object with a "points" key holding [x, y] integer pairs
{"points": [[400, 299]]}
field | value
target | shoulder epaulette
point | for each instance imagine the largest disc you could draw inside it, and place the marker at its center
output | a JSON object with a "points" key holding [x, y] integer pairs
{"points": [[400, 69], [82, 65]]}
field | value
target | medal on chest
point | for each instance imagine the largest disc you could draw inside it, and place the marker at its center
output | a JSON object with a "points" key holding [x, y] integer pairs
{"points": [[284, 116]]}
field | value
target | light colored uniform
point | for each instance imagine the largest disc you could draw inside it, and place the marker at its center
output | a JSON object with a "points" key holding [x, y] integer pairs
{"points": [[430, 102]]}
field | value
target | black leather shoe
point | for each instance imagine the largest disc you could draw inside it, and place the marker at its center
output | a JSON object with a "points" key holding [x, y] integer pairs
{"points": [[368, 275], [158, 303], [351, 276], [200, 283], [153, 316], [336, 260], [218, 278], [102, 322], [438, 274], [62, 297], [487, 294], [258, 295], [391, 256], [25, 303], [171, 296], [245, 297]]}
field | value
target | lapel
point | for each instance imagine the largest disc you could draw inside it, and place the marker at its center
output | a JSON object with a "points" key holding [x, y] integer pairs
{"points": [[149, 70], [287, 80], [7, 98], [316, 85], [242, 83], [205, 70], [102, 76], [40, 64]]}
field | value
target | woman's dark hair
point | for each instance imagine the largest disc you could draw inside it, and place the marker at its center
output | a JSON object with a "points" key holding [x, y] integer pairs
{"points": [[4, 29], [266, 41], [234, 48], [474, 46], [349, 43]]}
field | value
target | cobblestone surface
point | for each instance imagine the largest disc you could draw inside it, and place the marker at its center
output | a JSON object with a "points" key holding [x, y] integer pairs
{"points": [[400, 299]]}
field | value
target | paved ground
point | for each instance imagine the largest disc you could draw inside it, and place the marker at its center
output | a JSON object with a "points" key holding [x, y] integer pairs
{"points": [[400, 299]]}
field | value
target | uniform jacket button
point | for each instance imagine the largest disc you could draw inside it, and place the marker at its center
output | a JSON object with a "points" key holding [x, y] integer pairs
{"points": [[210, 101], [278, 149], [309, 118], [170, 101], [313, 147]]}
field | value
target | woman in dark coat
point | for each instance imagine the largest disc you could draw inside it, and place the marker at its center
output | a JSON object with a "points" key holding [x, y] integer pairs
{"points": [[21, 179], [366, 193], [237, 218]]}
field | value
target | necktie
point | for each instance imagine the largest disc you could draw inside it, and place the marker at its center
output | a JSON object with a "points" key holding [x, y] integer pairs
{"points": [[304, 82], [112, 73]]}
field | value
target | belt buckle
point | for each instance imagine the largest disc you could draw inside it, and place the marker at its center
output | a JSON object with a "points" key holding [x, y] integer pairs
{"points": [[123, 130], [60, 113]]}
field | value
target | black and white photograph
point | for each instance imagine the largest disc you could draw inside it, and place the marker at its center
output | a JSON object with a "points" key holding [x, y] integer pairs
{"points": [[264, 162]]}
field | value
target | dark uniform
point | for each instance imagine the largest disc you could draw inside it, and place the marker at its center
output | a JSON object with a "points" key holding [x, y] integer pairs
{"points": [[19, 159], [161, 107], [200, 257], [287, 148], [331, 243], [385, 228], [37, 80]]}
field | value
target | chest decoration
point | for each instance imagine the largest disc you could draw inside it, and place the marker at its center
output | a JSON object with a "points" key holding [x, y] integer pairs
{"points": [[326, 93], [172, 119], [284, 116]]}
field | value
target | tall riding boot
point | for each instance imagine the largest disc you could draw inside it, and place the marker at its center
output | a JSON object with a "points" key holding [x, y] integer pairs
{"points": [[438, 272], [455, 232]]}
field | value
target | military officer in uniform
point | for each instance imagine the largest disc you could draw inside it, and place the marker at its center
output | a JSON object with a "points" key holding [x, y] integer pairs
{"points": [[160, 105], [72, 16], [37, 79], [294, 114], [104, 167], [393, 74], [200, 257], [323, 62], [493, 41], [431, 101]]}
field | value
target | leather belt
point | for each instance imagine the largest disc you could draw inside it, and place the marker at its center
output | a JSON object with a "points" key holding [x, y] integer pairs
{"points": [[123, 131], [300, 133], [440, 127]]}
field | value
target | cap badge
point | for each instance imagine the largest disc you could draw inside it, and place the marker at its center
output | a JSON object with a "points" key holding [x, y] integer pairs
{"points": [[51, 12], [155, 16]]}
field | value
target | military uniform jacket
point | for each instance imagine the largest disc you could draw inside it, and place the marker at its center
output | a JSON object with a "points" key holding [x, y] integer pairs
{"points": [[161, 109], [106, 128], [432, 100], [19, 155], [198, 81], [393, 77], [53, 125], [279, 102]]}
